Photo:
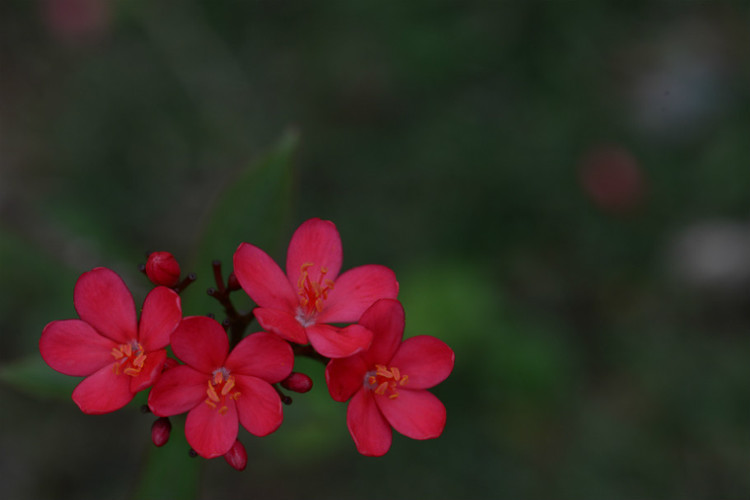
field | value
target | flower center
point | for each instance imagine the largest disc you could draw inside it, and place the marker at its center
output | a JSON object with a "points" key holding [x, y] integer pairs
{"points": [[129, 358], [220, 387], [311, 294], [385, 381]]}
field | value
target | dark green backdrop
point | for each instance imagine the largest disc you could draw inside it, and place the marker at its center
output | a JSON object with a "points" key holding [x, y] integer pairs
{"points": [[562, 188]]}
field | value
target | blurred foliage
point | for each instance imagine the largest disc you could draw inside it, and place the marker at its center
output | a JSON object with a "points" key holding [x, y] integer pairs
{"points": [[168, 471], [485, 151], [32, 375], [253, 206]]}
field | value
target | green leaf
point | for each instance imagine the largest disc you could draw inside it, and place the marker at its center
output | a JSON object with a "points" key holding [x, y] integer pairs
{"points": [[169, 472], [32, 376], [253, 207]]}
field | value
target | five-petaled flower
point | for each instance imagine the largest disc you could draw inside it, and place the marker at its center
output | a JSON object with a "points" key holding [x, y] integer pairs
{"points": [[387, 383], [118, 355], [300, 305], [221, 389]]}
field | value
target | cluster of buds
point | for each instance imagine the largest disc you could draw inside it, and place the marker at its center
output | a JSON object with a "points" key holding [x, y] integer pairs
{"points": [[221, 377]]}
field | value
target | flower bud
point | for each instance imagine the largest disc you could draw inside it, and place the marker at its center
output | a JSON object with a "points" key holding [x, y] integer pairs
{"points": [[237, 456], [297, 382], [160, 430], [163, 269]]}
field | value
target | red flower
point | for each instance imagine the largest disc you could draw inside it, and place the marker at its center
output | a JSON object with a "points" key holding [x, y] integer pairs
{"points": [[387, 382], [219, 389], [299, 305], [117, 355]]}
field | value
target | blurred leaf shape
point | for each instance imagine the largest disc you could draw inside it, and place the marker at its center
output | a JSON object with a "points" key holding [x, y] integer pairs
{"points": [[253, 207], [32, 376], [526, 358], [169, 471]]}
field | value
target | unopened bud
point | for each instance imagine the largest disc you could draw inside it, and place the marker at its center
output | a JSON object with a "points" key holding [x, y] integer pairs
{"points": [[297, 382], [160, 430], [163, 269], [237, 456]]}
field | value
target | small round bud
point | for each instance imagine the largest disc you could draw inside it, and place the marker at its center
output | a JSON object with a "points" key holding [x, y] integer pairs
{"points": [[163, 269], [237, 456], [160, 430], [297, 382]]}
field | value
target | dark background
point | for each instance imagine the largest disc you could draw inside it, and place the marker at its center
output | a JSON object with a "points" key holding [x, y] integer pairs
{"points": [[562, 188]]}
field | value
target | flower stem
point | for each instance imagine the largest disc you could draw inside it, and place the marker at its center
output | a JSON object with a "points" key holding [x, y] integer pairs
{"points": [[287, 400], [237, 323], [179, 287], [309, 352]]}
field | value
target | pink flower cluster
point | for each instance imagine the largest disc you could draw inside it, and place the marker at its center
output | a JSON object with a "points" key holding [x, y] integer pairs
{"points": [[352, 321]]}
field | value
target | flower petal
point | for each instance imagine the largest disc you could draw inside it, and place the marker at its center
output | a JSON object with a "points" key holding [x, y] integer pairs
{"points": [[177, 390], [73, 347], [415, 414], [103, 301], [426, 360], [385, 319], [356, 290], [263, 280], [200, 342], [281, 323], [345, 376], [317, 242], [334, 342], [150, 371], [262, 355], [103, 392], [371, 432], [212, 433], [259, 405], [161, 314]]}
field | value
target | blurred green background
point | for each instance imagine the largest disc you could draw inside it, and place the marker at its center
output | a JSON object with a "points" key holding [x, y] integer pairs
{"points": [[562, 188]]}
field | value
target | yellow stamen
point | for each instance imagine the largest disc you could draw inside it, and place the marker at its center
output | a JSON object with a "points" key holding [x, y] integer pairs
{"points": [[212, 393], [129, 358], [385, 380], [221, 386], [227, 386], [312, 294]]}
